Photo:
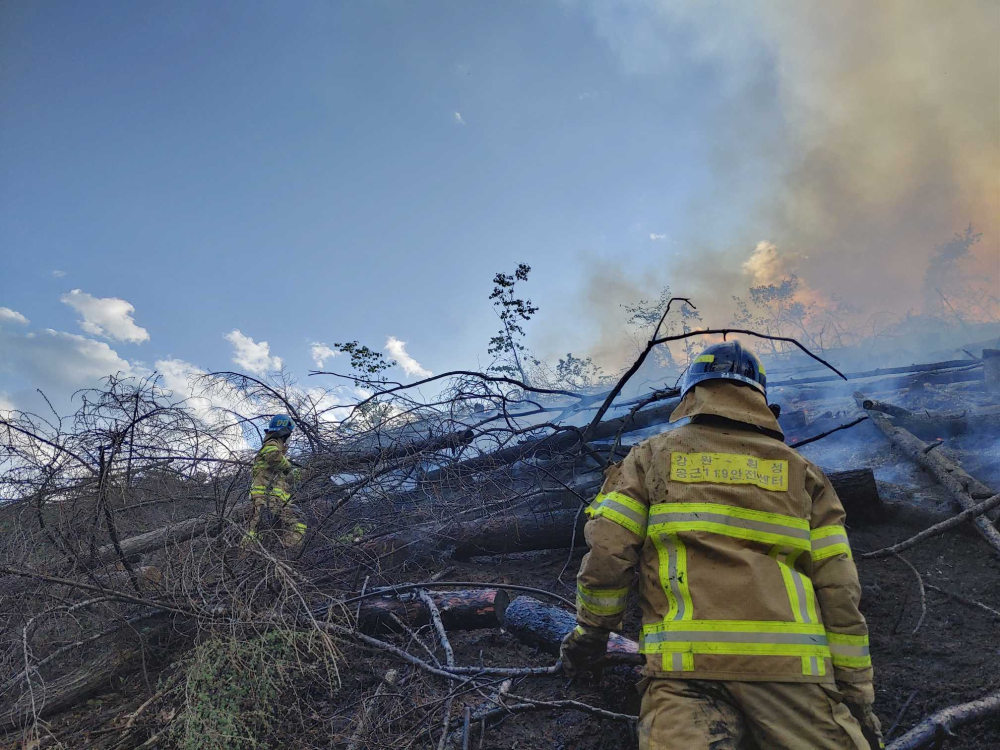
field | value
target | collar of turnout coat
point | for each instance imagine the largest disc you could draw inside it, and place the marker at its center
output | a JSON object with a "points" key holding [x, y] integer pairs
{"points": [[736, 403]]}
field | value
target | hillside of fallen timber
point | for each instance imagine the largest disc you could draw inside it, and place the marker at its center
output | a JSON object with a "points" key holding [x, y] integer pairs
{"points": [[104, 654]]}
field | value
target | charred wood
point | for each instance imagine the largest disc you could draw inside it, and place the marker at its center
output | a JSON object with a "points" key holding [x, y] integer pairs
{"points": [[527, 531], [964, 489], [881, 406], [558, 443], [939, 725], [949, 425], [930, 367], [542, 626], [460, 610]]}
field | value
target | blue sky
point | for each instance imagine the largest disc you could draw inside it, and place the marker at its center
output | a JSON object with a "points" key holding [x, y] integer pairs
{"points": [[328, 171]]}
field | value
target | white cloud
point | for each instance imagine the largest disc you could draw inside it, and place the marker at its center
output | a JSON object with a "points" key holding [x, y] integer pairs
{"points": [[250, 355], [658, 237], [55, 359], [397, 350], [12, 316], [321, 353], [458, 119], [58, 274], [109, 317]]}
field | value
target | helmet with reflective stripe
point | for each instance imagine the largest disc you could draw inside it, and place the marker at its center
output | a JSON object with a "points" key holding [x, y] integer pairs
{"points": [[281, 423], [727, 361]]}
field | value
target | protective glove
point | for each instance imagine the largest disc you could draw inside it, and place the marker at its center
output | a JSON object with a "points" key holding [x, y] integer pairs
{"points": [[296, 475], [582, 648], [858, 697]]}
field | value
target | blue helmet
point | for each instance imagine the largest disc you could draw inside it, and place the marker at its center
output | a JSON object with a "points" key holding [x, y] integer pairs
{"points": [[727, 361], [281, 423]]}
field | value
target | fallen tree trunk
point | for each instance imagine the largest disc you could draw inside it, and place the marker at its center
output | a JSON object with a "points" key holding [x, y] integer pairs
{"points": [[939, 725], [858, 494], [460, 610], [964, 489], [406, 449], [542, 626], [156, 539], [949, 425], [523, 532], [930, 367], [528, 531], [557, 443]]}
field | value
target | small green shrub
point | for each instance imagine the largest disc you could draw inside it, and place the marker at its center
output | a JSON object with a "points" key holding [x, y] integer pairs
{"points": [[239, 692]]}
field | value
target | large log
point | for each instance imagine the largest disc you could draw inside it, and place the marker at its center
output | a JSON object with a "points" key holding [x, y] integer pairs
{"points": [[949, 425], [403, 448], [521, 532], [964, 489], [930, 367], [460, 610], [165, 536], [858, 493], [557, 443], [542, 626], [527, 531], [932, 730]]}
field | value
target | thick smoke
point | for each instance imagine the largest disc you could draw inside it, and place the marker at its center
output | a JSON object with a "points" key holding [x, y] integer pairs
{"points": [[889, 141]]}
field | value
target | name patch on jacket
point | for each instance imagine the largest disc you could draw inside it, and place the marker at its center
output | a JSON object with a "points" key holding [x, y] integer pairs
{"points": [[729, 468]]}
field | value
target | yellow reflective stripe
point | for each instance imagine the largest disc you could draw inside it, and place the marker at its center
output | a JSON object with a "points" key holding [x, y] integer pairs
{"points": [[602, 602], [801, 594], [704, 358], [731, 637], [825, 531], [813, 666], [673, 571], [729, 468], [269, 449], [621, 509], [727, 530], [828, 541], [778, 519], [299, 527], [742, 523], [832, 551], [271, 491], [737, 626], [677, 661], [850, 651]]}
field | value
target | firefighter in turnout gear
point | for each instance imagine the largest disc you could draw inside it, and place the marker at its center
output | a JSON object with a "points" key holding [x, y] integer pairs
{"points": [[748, 590], [269, 487]]}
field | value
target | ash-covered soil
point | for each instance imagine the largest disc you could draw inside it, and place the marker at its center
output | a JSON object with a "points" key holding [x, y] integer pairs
{"points": [[951, 658]]}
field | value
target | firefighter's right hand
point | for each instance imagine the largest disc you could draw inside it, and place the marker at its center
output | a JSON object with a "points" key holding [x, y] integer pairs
{"points": [[582, 648]]}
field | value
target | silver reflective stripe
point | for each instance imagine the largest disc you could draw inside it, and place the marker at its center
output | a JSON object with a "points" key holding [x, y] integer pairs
{"points": [[838, 649], [813, 665], [717, 636], [671, 544], [677, 661], [607, 602], [800, 587], [743, 523], [829, 541], [626, 511]]}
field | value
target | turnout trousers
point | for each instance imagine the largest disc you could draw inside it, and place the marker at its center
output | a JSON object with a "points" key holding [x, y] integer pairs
{"points": [[719, 715], [286, 522]]}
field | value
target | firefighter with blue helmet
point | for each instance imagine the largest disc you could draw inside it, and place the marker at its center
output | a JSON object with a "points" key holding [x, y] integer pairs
{"points": [[270, 486], [748, 589]]}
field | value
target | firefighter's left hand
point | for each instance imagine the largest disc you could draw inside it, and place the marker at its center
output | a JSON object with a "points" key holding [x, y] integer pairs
{"points": [[582, 648], [296, 474]]}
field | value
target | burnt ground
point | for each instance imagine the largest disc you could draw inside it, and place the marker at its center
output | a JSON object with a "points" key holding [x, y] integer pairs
{"points": [[951, 659]]}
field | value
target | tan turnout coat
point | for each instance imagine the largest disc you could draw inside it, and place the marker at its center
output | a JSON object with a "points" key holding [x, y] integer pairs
{"points": [[744, 568]]}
